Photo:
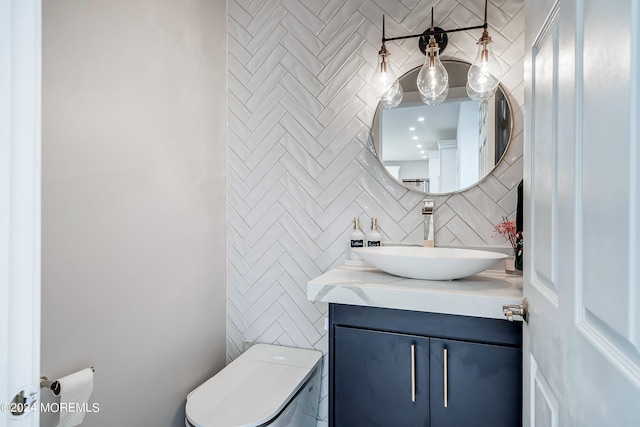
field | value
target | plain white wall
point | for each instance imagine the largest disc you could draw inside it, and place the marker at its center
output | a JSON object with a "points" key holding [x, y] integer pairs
{"points": [[134, 175], [468, 137]]}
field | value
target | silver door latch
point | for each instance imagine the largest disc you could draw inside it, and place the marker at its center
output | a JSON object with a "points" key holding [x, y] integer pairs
{"points": [[24, 402], [521, 310]]}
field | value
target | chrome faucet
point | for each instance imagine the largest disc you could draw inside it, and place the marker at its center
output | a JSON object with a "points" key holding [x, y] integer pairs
{"points": [[429, 229]]}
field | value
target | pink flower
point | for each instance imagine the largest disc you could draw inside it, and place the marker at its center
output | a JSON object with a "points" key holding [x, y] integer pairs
{"points": [[507, 229]]}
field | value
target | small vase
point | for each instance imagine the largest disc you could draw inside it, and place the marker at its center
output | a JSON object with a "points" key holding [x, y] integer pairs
{"points": [[518, 261], [510, 264], [518, 251]]}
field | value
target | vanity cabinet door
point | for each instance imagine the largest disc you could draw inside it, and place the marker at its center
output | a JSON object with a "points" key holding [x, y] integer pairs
{"points": [[479, 385], [373, 380]]}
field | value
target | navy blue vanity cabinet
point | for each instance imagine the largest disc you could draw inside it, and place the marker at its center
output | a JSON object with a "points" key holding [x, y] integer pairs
{"points": [[377, 378], [483, 384], [387, 368]]}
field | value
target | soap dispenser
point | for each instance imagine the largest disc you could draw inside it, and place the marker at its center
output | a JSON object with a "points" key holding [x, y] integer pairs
{"points": [[373, 236], [356, 239]]}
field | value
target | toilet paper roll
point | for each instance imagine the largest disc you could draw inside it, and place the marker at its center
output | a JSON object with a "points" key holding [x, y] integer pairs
{"points": [[75, 391]]}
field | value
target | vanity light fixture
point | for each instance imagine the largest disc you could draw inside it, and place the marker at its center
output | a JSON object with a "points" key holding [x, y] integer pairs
{"points": [[384, 82], [482, 78], [433, 80]]}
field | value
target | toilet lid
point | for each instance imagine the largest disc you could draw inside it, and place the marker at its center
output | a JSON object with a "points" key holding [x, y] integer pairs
{"points": [[253, 389]]}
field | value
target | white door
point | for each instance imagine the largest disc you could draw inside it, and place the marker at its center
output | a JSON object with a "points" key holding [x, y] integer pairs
{"points": [[19, 208], [582, 199]]}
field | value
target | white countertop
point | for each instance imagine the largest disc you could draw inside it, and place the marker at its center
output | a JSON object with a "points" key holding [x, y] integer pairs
{"points": [[481, 295]]}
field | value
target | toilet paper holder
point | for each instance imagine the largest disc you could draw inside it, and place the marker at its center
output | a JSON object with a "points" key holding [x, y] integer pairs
{"points": [[53, 385]]}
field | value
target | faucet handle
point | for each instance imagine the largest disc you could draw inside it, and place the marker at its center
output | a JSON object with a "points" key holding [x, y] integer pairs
{"points": [[427, 207]]}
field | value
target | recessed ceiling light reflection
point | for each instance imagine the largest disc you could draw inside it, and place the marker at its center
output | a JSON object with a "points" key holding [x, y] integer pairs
{"points": [[424, 157], [421, 119], [412, 128], [419, 146], [422, 152], [415, 137]]}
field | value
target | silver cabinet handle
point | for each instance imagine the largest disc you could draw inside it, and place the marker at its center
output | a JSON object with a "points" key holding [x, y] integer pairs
{"points": [[446, 380], [413, 373]]}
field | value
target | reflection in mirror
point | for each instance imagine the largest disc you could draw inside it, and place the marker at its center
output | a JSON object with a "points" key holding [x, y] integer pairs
{"points": [[442, 148]]}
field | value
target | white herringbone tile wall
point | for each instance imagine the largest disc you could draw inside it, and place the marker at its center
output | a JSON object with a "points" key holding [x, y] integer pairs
{"points": [[299, 167]]}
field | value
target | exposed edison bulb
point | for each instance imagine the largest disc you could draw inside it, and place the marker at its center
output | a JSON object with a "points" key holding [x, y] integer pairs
{"points": [[384, 78], [437, 100], [393, 97], [479, 96], [433, 78], [485, 71]]}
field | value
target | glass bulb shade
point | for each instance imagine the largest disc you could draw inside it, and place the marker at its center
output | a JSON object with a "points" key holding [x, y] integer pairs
{"points": [[432, 78], [437, 100], [383, 77], [479, 96], [393, 97], [485, 71]]}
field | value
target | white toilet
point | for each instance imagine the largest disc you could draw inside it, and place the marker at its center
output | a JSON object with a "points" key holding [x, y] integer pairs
{"points": [[268, 385]]}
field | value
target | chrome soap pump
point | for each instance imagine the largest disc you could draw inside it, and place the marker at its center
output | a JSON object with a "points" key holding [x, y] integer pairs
{"points": [[356, 240], [373, 236]]}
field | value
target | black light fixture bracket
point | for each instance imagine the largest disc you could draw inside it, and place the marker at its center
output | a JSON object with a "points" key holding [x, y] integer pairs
{"points": [[440, 35]]}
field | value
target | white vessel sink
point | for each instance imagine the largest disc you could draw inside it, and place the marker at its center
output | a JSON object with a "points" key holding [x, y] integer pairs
{"points": [[429, 263]]}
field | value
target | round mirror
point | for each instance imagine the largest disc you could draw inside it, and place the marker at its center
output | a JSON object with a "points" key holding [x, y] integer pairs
{"points": [[447, 147]]}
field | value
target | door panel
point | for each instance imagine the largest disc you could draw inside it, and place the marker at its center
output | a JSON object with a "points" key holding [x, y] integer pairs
{"points": [[373, 382], [605, 197], [545, 412], [20, 51], [581, 358], [483, 384], [544, 188], [607, 286]]}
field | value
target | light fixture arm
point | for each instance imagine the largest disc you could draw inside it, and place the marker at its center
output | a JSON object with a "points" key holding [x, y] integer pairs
{"points": [[485, 38], [486, 5], [433, 48], [384, 52], [431, 18], [433, 32]]}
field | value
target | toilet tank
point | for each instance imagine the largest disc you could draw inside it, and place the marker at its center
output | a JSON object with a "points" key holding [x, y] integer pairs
{"points": [[266, 386]]}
